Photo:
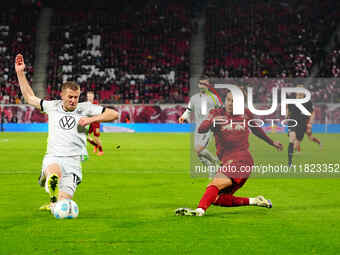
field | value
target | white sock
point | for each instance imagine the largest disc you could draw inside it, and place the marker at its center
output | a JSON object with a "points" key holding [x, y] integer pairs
{"points": [[252, 201], [200, 210]]}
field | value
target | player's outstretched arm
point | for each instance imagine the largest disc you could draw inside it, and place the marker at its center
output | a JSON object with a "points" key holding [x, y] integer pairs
{"points": [[25, 88], [107, 115], [259, 132]]}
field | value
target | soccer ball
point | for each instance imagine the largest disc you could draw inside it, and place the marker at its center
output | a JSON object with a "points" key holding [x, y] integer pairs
{"points": [[66, 209]]}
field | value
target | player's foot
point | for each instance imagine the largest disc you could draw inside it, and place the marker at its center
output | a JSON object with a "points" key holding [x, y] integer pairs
{"points": [[100, 153], [42, 180], [261, 201], [53, 182], [189, 212], [46, 207], [95, 149]]}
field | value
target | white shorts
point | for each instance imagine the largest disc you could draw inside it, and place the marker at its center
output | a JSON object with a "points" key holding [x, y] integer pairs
{"points": [[201, 139], [70, 170]]}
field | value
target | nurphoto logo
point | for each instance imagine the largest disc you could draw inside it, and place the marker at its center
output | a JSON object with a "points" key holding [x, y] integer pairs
{"points": [[238, 106]]}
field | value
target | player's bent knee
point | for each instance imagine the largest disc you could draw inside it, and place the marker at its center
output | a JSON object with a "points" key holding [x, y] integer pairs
{"points": [[221, 181]]}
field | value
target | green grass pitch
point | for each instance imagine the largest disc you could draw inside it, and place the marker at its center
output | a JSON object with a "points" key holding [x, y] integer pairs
{"points": [[128, 197]]}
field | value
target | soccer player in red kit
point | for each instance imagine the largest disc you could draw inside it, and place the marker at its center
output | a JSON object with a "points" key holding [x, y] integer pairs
{"points": [[231, 137], [94, 129]]}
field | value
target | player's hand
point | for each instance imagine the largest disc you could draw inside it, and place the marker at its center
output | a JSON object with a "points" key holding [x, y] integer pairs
{"points": [[84, 121], [19, 63], [278, 145], [181, 120]]}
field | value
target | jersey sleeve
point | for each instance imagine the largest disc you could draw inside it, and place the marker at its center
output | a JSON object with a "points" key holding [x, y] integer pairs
{"points": [[190, 106], [94, 109], [47, 105]]}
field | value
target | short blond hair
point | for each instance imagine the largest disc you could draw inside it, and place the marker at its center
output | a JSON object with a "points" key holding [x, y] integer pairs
{"points": [[70, 85]]}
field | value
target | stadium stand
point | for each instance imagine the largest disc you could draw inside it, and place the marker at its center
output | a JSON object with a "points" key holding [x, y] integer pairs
{"points": [[17, 34], [267, 38], [136, 56]]}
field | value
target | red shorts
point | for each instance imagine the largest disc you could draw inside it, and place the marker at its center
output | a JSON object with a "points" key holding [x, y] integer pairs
{"points": [[237, 183], [94, 127], [236, 166]]}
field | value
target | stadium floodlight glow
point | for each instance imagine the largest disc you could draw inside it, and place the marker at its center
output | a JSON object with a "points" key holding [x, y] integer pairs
{"points": [[238, 100]]}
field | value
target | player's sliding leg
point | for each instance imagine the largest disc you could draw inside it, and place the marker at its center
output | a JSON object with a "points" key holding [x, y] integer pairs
{"points": [[212, 196], [211, 193], [92, 142], [229, 200]]}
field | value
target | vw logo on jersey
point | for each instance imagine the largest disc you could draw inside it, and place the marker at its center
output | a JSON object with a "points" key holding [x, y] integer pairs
{"points": [[67, 122]]}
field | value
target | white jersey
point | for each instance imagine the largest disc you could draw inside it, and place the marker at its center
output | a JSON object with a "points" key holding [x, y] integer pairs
{"points": [[65, 137], [196, 106]]}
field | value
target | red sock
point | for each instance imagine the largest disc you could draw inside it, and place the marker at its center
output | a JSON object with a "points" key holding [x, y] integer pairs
{"points": [[100, 148], [298, 148], [316, 140], [92, 142], [228, 200], [209, 197]]}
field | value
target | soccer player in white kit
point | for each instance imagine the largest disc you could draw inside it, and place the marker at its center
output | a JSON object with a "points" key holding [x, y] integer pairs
{"points": [[61, 168], [195, 107]]}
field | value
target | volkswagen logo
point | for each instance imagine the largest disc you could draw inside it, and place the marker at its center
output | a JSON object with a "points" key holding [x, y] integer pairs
{"points": [[67, 122]]}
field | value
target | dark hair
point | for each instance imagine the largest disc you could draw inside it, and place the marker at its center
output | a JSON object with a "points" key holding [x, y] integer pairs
{"points": [[204, 77], [70, 85]]}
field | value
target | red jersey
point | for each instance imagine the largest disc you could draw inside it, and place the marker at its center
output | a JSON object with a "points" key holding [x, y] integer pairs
{"points": [[231, 133]]}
